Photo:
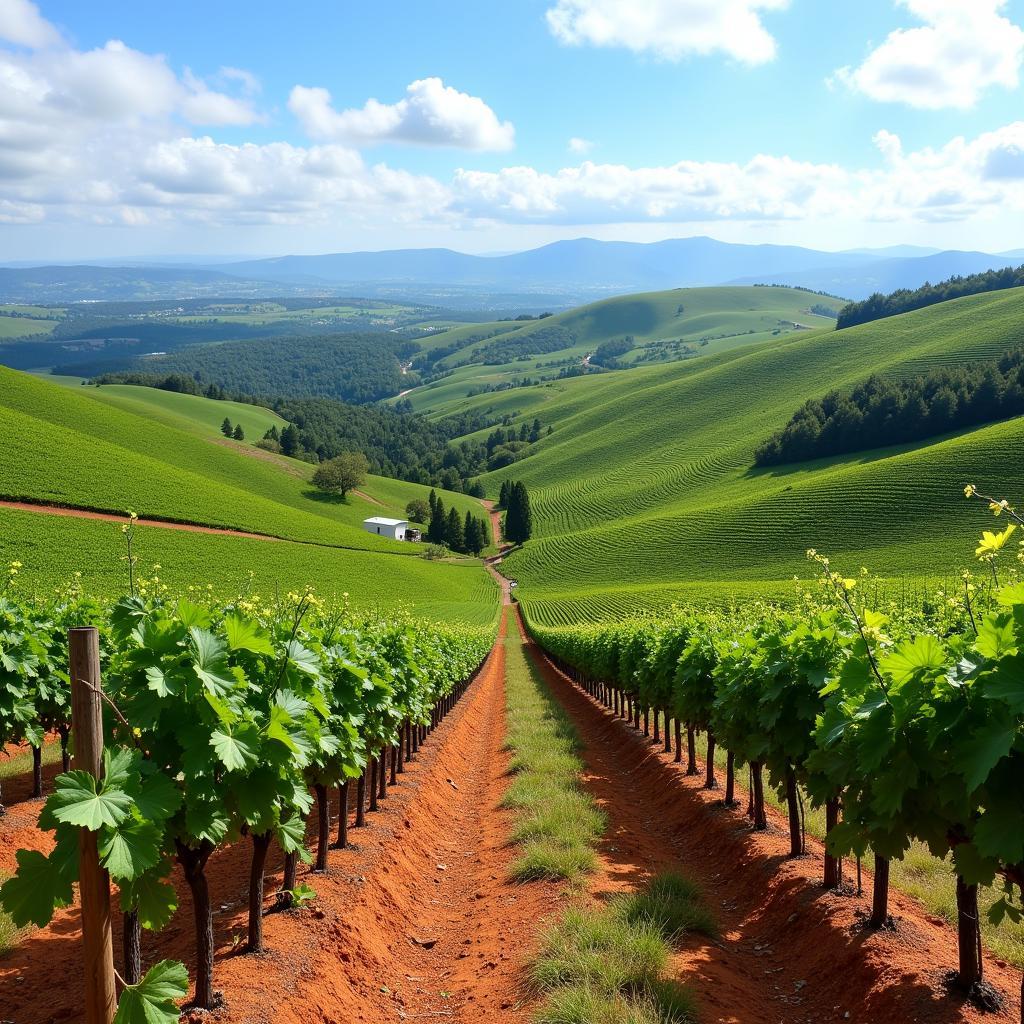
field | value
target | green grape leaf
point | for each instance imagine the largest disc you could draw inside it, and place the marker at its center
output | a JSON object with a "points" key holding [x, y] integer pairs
{"points": [[278, 728], [152, 896], [130, 849], [236, 750], [158, 797], [206, 819], [996, 637], [291, 834], [192, 615], [923, 653], [246, 635], [211, 663], [971, 866], [153, 1000], [1006, 683], [163, 683], [303, 658], [120, 768], [999, 833], [75, 801], [982, 750], [37, 889]]}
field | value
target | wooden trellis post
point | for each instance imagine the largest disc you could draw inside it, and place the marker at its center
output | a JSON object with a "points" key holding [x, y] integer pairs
{"points": [[94, 882]]}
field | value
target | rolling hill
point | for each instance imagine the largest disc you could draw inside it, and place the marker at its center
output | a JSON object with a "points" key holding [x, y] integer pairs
{"points": [[645, 491], [162, 456], [666, 326]]}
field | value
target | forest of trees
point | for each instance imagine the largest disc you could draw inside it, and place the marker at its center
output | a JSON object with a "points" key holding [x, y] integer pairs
{"points": [[607, 353], [395, 441], [356, 368], [878, 306], [468, 536], [883, 412], [525, 344]]}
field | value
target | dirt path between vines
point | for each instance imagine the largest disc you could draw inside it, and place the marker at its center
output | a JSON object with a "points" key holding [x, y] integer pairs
{"points": [[417, 920], [789, 953], [109, 517]]}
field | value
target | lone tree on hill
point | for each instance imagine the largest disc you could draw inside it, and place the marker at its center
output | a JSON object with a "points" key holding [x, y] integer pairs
{"points": [[239, 433], [340, 474], [518, 518], [225, 428], [418, 511]]}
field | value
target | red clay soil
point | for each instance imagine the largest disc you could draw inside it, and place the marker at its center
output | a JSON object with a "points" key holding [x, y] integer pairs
{"points": [[417, 920], [789, 952], [109, 517], [18, 829]]}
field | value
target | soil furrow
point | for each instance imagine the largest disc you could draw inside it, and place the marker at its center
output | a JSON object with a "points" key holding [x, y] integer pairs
{"points": [[415, 920]]}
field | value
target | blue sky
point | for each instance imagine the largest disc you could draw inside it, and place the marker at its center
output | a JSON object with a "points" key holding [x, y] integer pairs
{"points": [[230, 127]]}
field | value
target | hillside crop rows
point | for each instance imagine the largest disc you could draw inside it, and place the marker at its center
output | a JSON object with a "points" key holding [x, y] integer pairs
{"points": [[52, 549], [905, 728], [648, 479]]}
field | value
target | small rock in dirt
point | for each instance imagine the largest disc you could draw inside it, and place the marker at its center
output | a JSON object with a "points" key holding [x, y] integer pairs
{"points": [[451, 783], [442, 867], [425, 943], [799, 985]]}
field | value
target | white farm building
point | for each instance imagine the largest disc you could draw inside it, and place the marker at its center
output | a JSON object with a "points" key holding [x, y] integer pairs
{"points": [[396, 529]]}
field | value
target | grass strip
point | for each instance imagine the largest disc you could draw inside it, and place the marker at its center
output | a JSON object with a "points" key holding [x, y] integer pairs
{"points": [[557, 822], [609, 967]]}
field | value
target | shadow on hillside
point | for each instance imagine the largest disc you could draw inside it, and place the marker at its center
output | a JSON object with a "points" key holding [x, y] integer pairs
{"points": [[325, 497]]}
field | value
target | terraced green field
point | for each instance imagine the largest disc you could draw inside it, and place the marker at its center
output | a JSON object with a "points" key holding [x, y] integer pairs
{"points": [[85, 448], [645, 493], [53, 548]]}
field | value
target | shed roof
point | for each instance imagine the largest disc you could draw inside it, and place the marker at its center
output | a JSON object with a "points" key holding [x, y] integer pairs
{"points": [[381, 521]]}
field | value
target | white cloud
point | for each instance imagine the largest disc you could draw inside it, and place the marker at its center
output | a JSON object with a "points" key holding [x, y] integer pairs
{"points": [[431, 114], [964, 48], [22, 24], [203, 105], [581, 146], [671, 29]]}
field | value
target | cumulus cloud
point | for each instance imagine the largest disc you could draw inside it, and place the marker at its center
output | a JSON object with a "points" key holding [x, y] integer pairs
{"points": [[964, 48], [430, 114], [670, 29], [22, 24]]}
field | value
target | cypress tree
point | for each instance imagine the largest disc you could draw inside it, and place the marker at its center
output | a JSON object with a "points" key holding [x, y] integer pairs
{"points": [[438, 532], [239, 434], [475, 534], [518, 519], [503, 494], [225, 428], [290, 440], [453, 531]]}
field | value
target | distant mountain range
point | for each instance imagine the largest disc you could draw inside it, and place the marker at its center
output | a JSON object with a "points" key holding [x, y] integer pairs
{"points": [[560, 274]]}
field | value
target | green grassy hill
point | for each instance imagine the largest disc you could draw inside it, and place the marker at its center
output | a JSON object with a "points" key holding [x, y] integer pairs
{"points": [[646, 492], [666, 327], [133, 448]]}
